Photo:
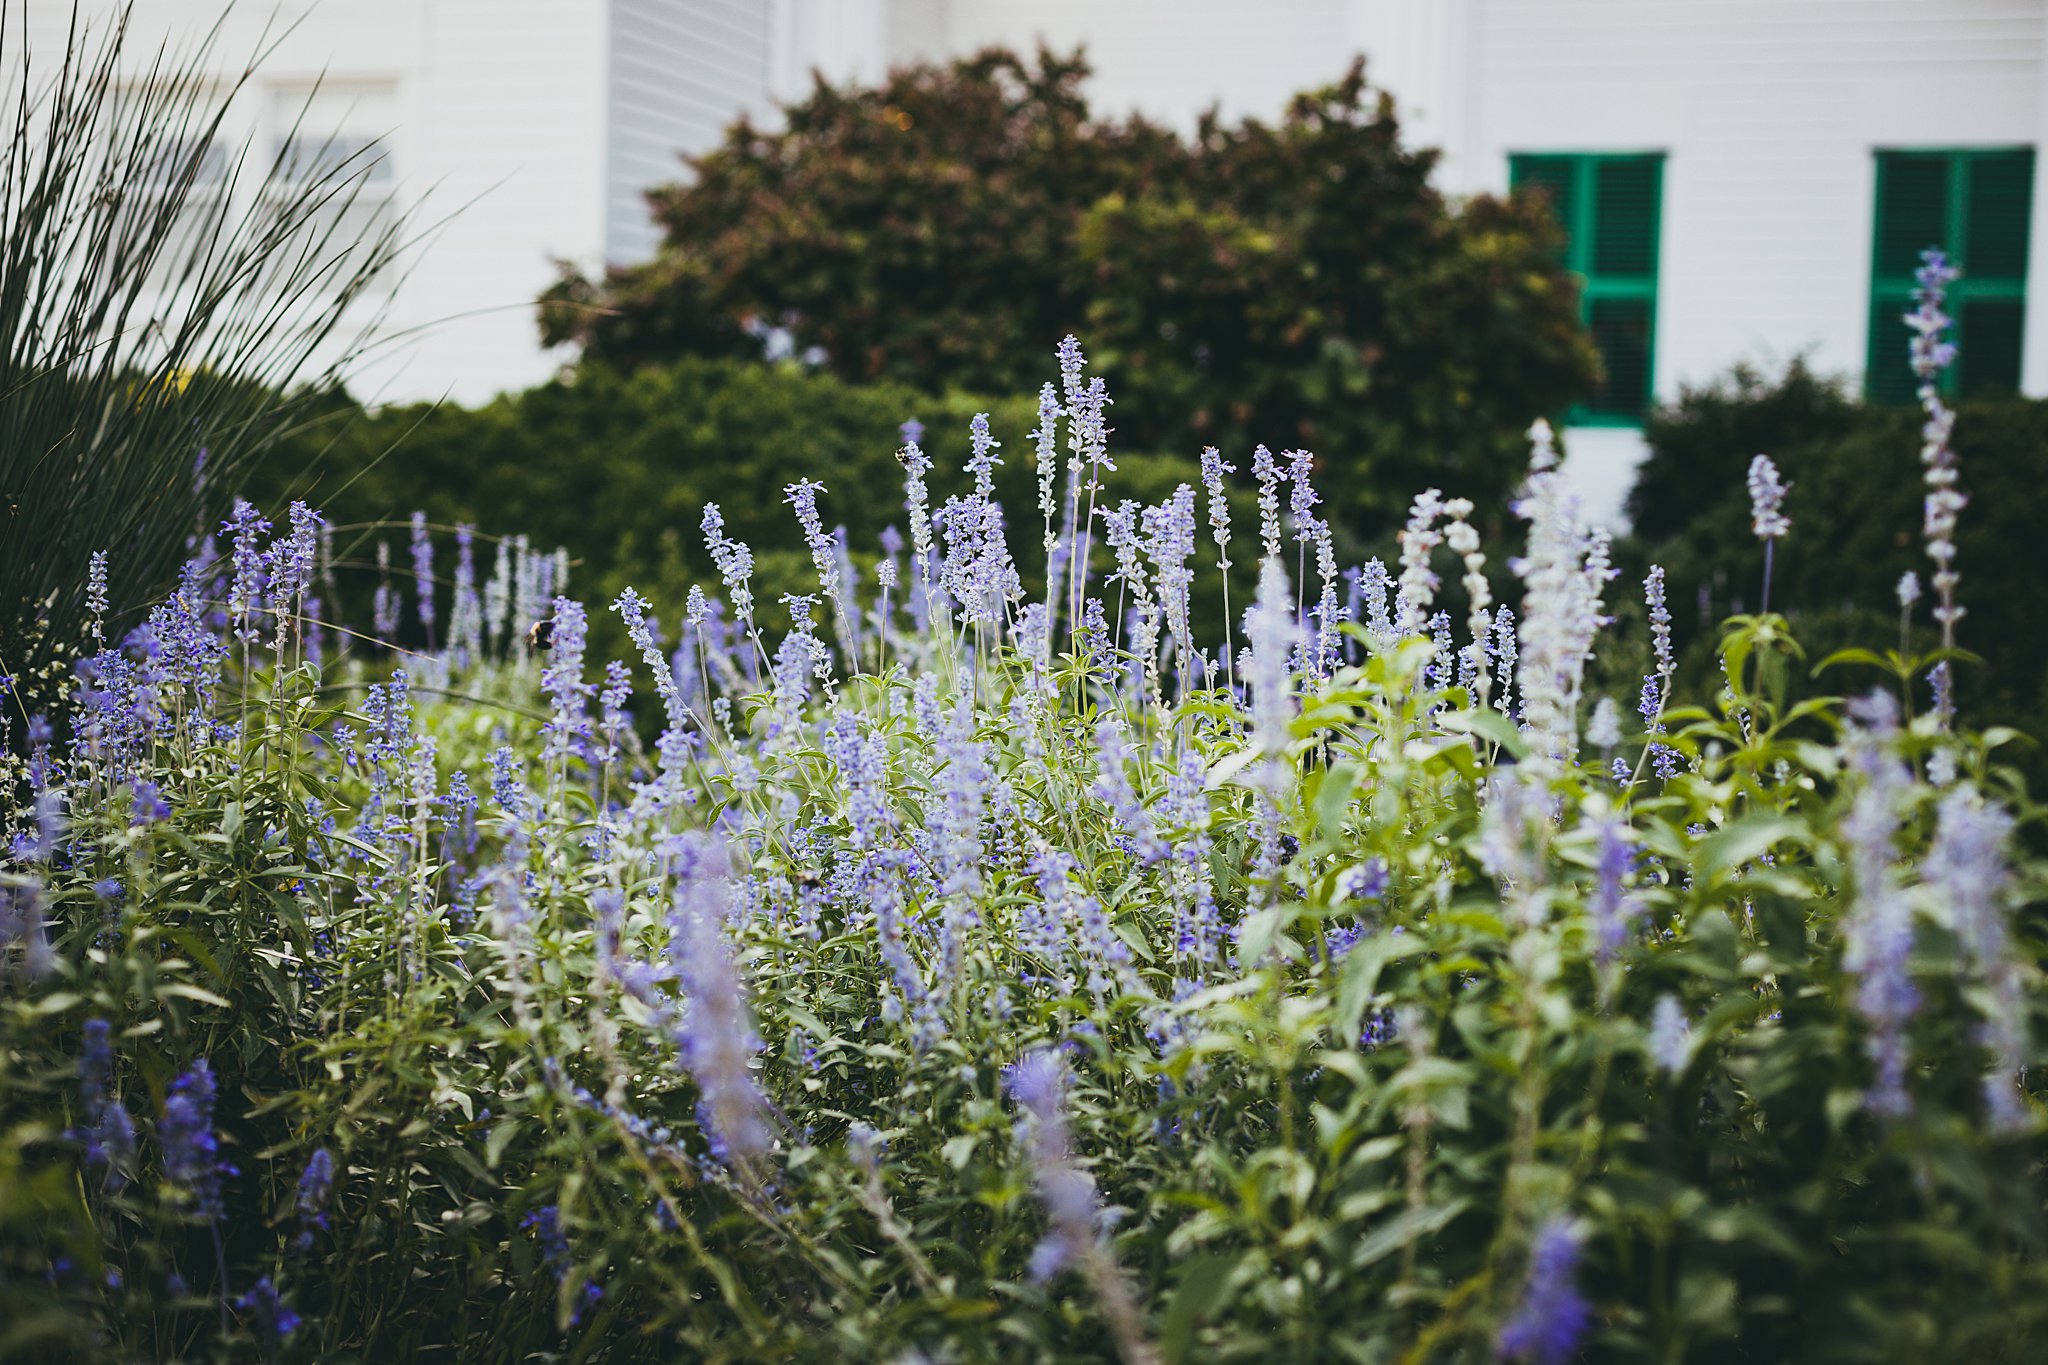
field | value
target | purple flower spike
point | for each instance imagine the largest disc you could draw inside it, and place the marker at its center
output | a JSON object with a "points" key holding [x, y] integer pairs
{"points": [[1551, 1321]]}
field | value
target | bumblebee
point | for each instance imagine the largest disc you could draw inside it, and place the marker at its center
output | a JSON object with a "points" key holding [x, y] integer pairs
{"points": [[541, 635]]}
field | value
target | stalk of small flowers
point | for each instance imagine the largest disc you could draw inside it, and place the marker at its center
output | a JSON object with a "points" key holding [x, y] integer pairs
{"points": [[632, 610], [96, 595], [1442, 669], [423, 575], [191, 1151], [1120, 534], [1326, 612], [1272, 633], [1549, 1324], [465, 612], [1463, 538], [798, 659], [1416, 593], [1657, 683], [961, 792], [1670, 1041], [1302, 500], [884, 883], [1045, 440], [289, 565], [1931, 354], [497, 603], [1085, 405], [1559, 603], [108, 1134], [1514, 828], [716, 1036], [1270, 476], [568, 728], [245, 594], [1375, 587], [1967, 871], [1038, 1082], [803, 496], [1170, 543], [1198, 935], [1112, 783], [384, 606], [917, 501], [1766, 496], [1213, 470], [1614, 909], [1878, 931], [733, 560]]}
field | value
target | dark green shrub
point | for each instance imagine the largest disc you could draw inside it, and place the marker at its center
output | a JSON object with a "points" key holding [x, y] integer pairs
{"points": [[950, 225], [617, 467], [1855, 505]]}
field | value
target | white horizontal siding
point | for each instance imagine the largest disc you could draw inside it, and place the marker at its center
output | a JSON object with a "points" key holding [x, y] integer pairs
{"points": [[680, 71], [1768, 114]]}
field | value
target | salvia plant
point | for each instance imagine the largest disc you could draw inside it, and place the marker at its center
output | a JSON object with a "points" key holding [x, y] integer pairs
{"points": [[985, 967]]}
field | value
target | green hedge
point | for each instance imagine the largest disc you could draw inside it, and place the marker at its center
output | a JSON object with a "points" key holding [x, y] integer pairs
{"points": [[616, 468], [1855, 505]]}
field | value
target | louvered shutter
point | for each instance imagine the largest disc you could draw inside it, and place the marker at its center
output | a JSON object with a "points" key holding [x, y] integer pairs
{"points": [[1609, 209], [1557, 179], [1976, 205], [1993, 316]]}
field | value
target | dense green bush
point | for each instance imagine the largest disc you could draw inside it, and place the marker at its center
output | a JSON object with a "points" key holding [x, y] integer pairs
{"points": [[1855, 504], [946, 227], [616, 468], [1002, 988]]}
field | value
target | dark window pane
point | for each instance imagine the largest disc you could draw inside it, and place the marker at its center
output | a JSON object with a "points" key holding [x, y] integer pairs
{"points": [[2001, 188], [1621, 332], [1912, 209], [1988, 351], [1625, 217]]}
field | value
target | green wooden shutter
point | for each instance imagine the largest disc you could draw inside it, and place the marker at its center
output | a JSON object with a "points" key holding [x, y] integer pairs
{"points": [[1625, 217], [1976, 205], [2000, 186], [1556, 177], [1609, 209]]}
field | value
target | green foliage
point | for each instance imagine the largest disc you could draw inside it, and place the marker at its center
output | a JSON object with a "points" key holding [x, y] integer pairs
{"points": [[1427, 1032], [948, 226], [160, 290], [1855, 504]]}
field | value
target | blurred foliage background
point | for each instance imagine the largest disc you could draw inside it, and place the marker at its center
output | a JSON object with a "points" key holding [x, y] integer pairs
{"points": [[915, 251]]}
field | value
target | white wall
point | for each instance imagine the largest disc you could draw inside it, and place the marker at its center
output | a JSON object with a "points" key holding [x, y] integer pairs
{"points": [[494, 115], [1768, 111], [678, 72]]}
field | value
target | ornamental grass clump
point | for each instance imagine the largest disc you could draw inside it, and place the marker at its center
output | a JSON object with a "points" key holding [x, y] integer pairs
{"points": [[992, 968]]}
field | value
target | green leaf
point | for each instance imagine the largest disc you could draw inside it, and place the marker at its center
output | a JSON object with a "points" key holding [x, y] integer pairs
{"points": [[1744, 840], [1203, 1289], [1404, 1228]]}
